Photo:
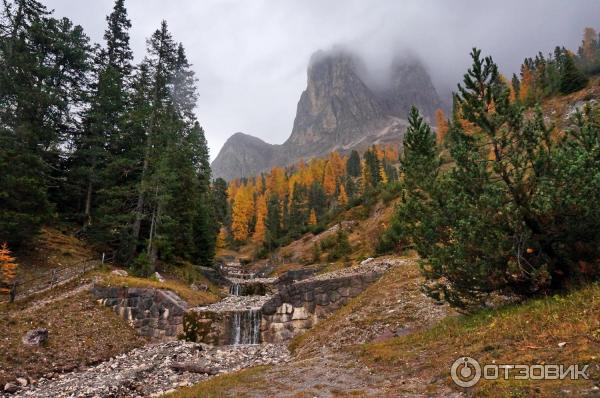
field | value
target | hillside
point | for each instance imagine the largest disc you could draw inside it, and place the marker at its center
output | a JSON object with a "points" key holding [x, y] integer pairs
{"points": [[391, 341]]}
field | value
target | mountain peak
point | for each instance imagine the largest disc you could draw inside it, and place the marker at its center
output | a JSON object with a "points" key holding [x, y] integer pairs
{"points": [[338, 110], [242, 155]]}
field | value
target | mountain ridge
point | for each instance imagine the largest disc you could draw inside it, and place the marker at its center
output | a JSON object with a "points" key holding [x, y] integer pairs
{"points": [[338, 110]]}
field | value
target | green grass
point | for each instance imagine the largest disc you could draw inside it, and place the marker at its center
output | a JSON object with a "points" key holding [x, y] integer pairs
{"points": [[222, 386], [519, 334]]}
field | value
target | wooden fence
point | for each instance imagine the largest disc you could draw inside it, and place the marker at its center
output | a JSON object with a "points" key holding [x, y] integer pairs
{"points": [[47, 280]]}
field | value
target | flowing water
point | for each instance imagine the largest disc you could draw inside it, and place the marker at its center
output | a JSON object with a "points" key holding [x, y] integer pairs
{"points": [[235, 289], [246, 327], [245, 323]]}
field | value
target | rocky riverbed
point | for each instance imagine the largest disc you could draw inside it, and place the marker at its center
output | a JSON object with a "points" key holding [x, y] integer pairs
{"points": [[235, 303], [156, 369]]}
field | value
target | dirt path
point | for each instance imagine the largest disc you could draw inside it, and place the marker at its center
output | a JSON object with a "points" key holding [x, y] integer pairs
{"points": [[36, 305]]}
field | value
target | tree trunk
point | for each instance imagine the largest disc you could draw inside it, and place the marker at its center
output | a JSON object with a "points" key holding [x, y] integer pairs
{"points": [[88, 206]]}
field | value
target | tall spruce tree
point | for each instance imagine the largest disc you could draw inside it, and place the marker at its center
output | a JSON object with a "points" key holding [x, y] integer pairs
{"points": [[43, 66], [103, 123], [353, 164]]}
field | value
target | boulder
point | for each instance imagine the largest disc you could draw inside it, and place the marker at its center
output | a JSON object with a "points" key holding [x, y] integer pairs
{"points": [[367, 261], [11, 388], [201, 287], [159, 277], [22, 381], [119, 272], [35, 337]]}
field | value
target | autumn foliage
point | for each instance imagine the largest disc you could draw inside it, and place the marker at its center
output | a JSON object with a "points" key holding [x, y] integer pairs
{"points": [[288, 201], [8, 268]]}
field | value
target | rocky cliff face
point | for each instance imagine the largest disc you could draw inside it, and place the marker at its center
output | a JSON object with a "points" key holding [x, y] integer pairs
{"points": [[336, 105], [409, 85], [337, 111]]}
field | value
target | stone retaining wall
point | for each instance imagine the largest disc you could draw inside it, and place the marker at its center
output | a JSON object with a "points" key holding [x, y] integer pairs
{"points": [[299, 306], [210, 327], [152, 312]]}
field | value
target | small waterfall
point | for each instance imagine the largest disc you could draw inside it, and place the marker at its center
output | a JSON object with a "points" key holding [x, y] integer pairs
{"points": [[246, 327], [235, 289]]}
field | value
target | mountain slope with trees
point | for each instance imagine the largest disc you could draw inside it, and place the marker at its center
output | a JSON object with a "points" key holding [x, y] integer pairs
{"points": [[89, 138]]}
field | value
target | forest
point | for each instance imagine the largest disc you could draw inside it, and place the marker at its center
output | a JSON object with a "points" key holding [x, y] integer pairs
{"points": [[89, 139]]}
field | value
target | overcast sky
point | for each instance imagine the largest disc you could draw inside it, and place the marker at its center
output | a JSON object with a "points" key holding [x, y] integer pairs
{"points": [[250, 56]]}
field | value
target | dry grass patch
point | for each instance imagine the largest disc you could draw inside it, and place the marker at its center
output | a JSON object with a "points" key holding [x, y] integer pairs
{"points": [[81, 333], [391, 303], [183, 290], [519, 334], [222, 386]]}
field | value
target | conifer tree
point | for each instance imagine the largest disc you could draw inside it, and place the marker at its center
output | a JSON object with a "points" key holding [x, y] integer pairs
{"points": [[102, 130], [273, 222], [571, 78], [43, 67], [353, 164]]}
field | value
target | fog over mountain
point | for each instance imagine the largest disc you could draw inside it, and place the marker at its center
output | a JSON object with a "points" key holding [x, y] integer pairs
{"points": [[251, 56]]}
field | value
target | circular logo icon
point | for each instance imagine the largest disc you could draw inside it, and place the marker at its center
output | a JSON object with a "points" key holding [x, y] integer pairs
{"points": [[465, 372]]}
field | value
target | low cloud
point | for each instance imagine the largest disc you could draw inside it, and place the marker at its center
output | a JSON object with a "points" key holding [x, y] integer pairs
{"points": [[251, 56]]}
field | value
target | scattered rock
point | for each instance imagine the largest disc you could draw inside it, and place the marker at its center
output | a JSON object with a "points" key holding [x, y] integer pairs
{"points": [[367, 261], [235, 303], [562, 344], [159, 277], [35, 337], [194, 368], [403, 331], [201, 287], [22, 381], [155, 369], [386, 335], [120, 272], [11, 388]]}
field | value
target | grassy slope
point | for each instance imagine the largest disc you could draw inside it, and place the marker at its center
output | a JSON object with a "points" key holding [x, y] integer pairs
{"points": [[419, 362], [527, 333], [81, 332], [53, 248], [182, 289]]}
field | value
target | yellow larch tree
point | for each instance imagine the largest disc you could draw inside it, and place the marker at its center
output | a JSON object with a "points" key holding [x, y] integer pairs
{"points": [[382, 174], [241, 213], [8, 267], [312, 218], [526, 83], [221, 238], [342, 196], [338, 163], [391, 153], [441, 123], [277, 182], [329, 179], [379, 152]]}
